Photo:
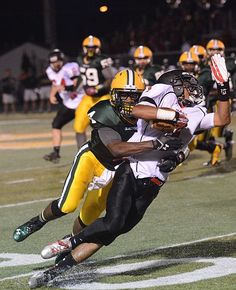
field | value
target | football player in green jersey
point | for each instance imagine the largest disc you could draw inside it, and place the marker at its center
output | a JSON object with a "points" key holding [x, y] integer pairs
{"points": [[97, 75], [112, 127], [143, 65]]}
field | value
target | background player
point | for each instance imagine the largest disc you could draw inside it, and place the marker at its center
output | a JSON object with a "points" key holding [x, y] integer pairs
{"points": [[66, 93], [97, 75]]}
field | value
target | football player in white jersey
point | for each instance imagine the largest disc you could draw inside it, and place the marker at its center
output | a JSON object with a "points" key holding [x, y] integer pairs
{"points": [[66, 92], [137, 181]]}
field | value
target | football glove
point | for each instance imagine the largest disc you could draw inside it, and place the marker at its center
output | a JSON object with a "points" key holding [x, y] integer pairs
{"points": [[170, 163], [221, 76], [167, 143]]}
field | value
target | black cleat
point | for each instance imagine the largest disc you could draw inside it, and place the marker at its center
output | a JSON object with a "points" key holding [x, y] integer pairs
{"points": [[54, 157], [28, 228], [43, 278], [61, 256]]}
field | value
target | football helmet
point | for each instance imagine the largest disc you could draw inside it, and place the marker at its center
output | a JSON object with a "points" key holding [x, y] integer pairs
{"points": [[215, 46], [181, 80], [189, 62], [200, 51], [56, 59], [126, 88], [142, 56], [91, 46]]}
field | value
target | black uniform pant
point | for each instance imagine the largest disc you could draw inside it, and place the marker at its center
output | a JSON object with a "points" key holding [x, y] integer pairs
{"points": [[64, 116], [127, 202]]}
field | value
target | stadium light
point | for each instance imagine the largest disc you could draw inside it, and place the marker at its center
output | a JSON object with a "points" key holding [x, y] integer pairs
{"points": [[103, 9]]}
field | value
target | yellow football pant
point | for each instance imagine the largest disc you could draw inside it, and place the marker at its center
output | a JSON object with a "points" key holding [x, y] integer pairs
{"points": [[81, 121], [84, 168], [94, 204]]}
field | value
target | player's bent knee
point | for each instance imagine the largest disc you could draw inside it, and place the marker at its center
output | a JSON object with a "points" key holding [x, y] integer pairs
{"points": [[56, 210], [68, 208], [115, 225]]}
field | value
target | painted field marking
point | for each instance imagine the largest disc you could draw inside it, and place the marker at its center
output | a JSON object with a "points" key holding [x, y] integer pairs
{"points": [[105, 269], [25, 202], [32, 145], [23, 121], [20, 181], [222, 266], [26, 140], [26, 136]]}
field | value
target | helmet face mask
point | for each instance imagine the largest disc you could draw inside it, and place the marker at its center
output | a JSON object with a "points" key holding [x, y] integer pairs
{"points": [[124, 101], [189, 62], [194, 96], [142, 56], [215, 46], [186, 87], [57, 65], [126, 89], [56, 59], [91, 46]]}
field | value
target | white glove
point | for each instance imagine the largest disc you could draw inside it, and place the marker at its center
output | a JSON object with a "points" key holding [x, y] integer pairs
{"points": [[218, 69]]}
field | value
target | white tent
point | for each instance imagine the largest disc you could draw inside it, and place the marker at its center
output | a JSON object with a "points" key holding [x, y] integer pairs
{"points": [[38, 56]]}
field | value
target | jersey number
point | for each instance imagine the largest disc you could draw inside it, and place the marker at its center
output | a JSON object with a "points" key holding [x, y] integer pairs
{"points": [[90, 77]]}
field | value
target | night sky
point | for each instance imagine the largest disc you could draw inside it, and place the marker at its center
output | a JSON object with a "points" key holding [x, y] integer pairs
{"points": [[22, 20]]}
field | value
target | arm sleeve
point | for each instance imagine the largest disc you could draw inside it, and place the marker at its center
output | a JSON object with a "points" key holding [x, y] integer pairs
{"points": [[107, 135]]}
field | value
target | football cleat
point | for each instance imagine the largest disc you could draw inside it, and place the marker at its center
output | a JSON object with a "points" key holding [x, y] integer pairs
{"points": [[56, 248], [53, 157], [61, 256], [39, 280], [43, 278], [28, 228]]}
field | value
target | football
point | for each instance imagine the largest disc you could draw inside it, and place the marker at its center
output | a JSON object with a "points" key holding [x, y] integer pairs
{"points": [[168, 126]]}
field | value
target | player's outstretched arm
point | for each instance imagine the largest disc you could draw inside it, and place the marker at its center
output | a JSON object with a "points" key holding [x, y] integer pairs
{"points": [[220, 74]]}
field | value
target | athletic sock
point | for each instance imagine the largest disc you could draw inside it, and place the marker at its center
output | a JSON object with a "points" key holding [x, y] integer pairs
{"points": [[56, 149]]}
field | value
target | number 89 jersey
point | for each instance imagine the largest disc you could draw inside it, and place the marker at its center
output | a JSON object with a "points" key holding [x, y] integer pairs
{"points": [[91, 72]]}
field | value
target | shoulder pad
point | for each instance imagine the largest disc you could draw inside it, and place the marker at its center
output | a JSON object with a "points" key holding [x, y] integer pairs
{"points": [[103, 114], [105, 61]]}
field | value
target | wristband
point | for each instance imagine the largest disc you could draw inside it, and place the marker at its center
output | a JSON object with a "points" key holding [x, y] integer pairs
{"points": [[163, 114], [223, 91]]}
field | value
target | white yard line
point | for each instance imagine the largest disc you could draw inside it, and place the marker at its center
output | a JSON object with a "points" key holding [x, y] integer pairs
{"points": [[19, 181], [17, 276], [26, 202], [16, 122], [135, 254]]}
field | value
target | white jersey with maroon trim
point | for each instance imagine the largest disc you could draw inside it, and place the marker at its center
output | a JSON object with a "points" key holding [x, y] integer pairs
{"points": [[65, 77], [161, 95]]}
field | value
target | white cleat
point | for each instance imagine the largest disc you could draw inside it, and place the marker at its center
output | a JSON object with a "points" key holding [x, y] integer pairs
{"points": [[58, 247]]}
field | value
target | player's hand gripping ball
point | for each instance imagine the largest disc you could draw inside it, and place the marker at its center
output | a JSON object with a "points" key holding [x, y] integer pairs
{"points": [[171, 126]]}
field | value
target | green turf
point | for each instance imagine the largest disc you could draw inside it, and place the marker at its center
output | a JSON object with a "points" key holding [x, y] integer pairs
{"points": [[195, 203]]}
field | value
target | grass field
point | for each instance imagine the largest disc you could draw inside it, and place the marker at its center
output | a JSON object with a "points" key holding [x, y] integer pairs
{"points": [[187, 239]]}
